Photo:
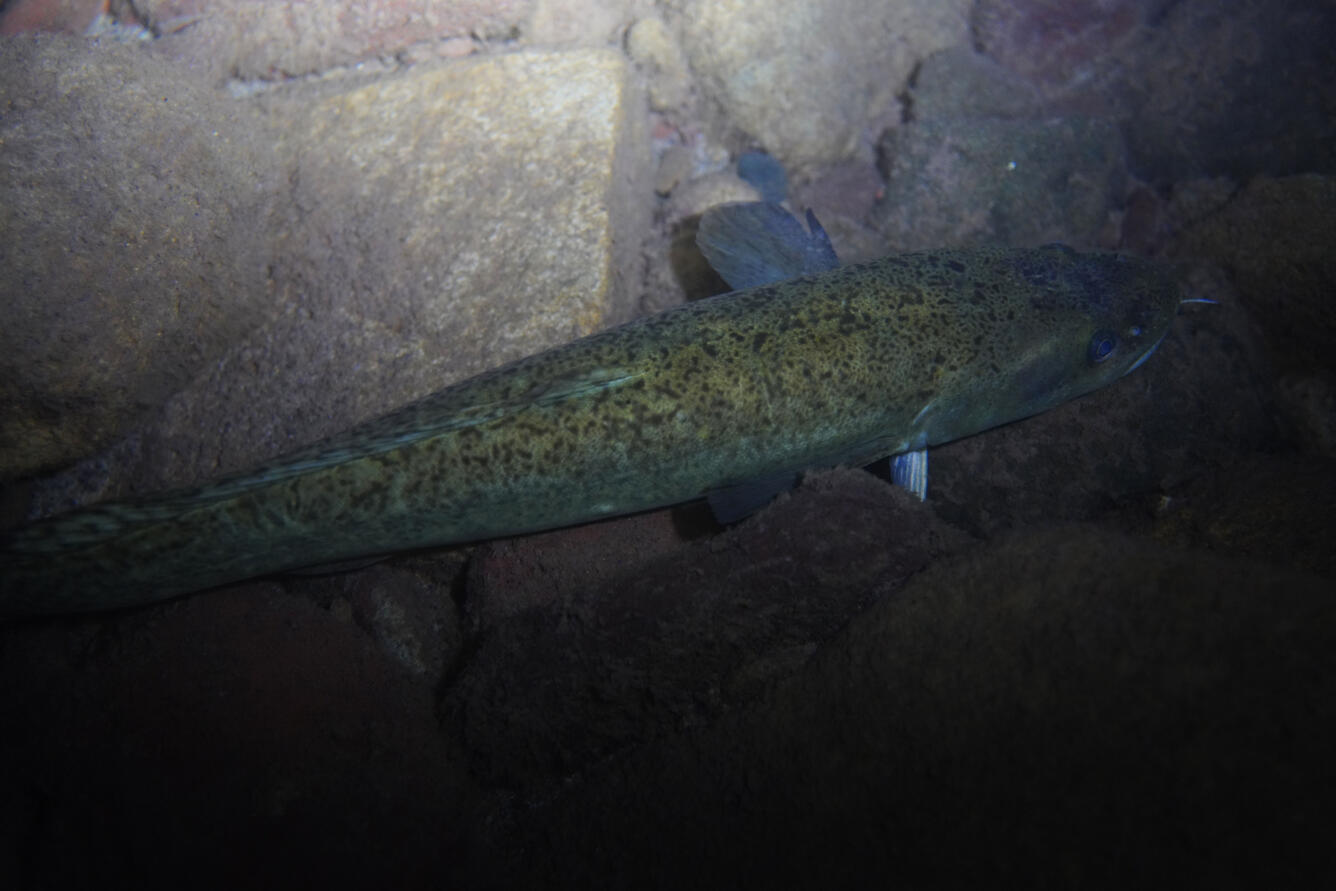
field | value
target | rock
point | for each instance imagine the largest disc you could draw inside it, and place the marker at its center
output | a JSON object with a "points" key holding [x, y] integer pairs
{"points": [[135, 217], [258, 39], [1056, 42], [675, 167], [697, 195], [1274, 238], [1199, 90], [249, 709], [957, 181], [1143, 229], [652, 46], [1273, 509], [682, 635], [442, 221], [1008, 712], [569, 23], [1308, 404], [66, 16], [843, 196], [806, 80], [1233, 91], [510, 576], [404, 613], [961, 83]]}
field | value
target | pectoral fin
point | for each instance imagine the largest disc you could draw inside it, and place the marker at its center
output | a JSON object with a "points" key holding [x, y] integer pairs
{"points": [[753, 243], [910, 470]]}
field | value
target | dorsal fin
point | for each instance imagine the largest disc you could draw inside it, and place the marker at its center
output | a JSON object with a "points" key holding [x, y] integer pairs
{"points": [[752, 243]]}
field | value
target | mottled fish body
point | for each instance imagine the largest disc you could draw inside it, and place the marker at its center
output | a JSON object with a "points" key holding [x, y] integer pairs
{"points": [[730, 398]]}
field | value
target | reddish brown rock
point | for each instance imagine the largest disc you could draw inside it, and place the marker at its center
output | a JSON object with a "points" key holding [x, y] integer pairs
{"points": [[1055, 41], [66, 16]]}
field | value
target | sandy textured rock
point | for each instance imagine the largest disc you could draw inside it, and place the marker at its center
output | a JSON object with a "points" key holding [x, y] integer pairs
{"points": [[654, 47], [594, 23], [259, 39], [442, 221], [804, 79], [134, 240]]}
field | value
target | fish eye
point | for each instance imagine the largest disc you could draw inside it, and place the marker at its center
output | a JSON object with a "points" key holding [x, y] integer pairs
{"points": [[1102, 346]]}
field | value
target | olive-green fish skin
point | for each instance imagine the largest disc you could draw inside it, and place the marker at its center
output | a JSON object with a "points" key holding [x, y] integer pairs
{"points": [[846, 366]]}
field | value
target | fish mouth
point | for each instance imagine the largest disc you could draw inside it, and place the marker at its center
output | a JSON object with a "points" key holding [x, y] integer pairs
{"points": [[1146, 355], [1156, 344]]}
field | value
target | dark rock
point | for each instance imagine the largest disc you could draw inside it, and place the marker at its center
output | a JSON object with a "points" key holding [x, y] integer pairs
{"points": [[1276, 240], [1056, 42], [1066, 707], [991, 181], [682, 638], [961, 83], [1278, 509], [403, 611], [213, 737], [1233, 90]]}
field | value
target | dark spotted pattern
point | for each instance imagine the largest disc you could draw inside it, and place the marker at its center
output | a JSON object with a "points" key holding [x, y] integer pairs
{"points": [[846, 366]]}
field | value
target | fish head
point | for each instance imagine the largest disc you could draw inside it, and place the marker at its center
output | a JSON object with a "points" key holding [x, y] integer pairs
{"points": [[1059, 324], [1083, 320]]}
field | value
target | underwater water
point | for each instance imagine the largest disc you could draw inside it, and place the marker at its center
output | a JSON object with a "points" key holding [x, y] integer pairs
{"points": [[1100, 647]]}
